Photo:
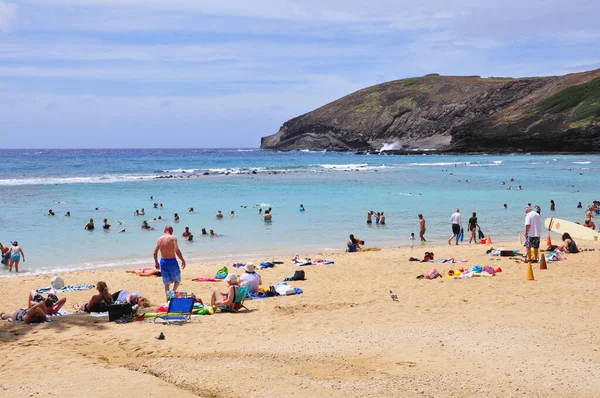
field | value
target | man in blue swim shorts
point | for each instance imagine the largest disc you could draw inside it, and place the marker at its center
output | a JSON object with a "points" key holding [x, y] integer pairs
{"points": [[169, 268]]}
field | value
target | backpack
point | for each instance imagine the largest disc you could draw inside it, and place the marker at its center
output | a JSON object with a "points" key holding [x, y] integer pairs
{"points": [[298, 275], [222, 274]]}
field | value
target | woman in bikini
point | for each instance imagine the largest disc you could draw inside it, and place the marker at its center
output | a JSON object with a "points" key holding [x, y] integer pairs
{"points": [[144, 271], [98, 302], [35, 314]]}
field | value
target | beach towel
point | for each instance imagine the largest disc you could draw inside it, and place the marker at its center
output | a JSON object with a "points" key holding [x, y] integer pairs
{"points": [[302, 261], [238, 265], [66, 289], [205, 280], [61, 312], [266, 264], [323, 261]]}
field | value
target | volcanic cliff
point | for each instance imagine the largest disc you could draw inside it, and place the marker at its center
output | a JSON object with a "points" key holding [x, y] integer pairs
{"points": [[455, 114]]}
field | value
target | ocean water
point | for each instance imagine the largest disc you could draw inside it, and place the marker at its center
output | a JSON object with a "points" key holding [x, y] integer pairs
{"points": [[337, 190]]}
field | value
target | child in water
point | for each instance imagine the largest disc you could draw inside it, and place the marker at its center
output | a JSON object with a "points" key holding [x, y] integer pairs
{"points": [[412, 239]]}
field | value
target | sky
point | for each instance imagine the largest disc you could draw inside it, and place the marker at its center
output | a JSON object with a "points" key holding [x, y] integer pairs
{"points": [[223, 73]]}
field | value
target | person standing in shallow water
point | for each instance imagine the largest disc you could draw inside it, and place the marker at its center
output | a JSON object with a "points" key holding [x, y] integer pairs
{"points": [[422, 228], [552, 205], [456, 222]]}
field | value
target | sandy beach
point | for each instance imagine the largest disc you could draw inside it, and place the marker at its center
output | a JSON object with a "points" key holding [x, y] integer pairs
{"points": [[344, 336]]}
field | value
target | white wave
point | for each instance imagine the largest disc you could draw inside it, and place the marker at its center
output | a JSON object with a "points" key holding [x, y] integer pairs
{"points": [[181, 171], [247, 150], [74, 180], [497, 161], [586, 162], [344, 166], [433, 164], [394, 146]]}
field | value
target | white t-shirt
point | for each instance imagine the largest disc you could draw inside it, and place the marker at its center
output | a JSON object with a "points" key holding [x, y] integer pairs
{"points": [[124, 293], [535, 222], [252, 280], [455, 219]]}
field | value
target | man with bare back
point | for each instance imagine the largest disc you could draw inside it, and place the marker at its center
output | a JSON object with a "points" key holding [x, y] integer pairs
{"points": [[167, 244]]}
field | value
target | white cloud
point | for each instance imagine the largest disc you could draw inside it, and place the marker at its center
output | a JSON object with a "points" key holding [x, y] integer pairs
{"points": [[8, 16]]}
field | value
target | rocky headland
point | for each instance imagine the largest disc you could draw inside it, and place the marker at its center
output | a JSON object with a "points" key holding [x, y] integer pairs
{"points": [[454, 114]]}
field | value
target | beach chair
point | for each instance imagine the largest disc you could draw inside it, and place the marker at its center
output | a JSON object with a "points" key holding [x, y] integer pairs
{"points": [[238, 302], [179, 311]]}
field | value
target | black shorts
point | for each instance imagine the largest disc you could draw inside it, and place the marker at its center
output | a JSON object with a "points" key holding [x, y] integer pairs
{"points": [[532, 242], [455, 229]]}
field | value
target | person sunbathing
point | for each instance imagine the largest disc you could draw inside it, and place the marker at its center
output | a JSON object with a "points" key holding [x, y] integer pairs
{"points": [[134, 299], [52, 303], [35, 314], [144, 271], [219, 299], [98, 302]]}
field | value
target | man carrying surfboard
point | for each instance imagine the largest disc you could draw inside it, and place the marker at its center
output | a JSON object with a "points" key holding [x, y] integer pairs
{"points": [[533, 231]]}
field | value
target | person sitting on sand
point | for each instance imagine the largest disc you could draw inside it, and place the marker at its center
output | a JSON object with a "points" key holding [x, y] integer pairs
{"points": [[187, 234], [98, 302], [90, 225], [569, 246], [146, 226], [250, 278], [35, 314], [219, 299], [353, 245], [125, 296], [219, 214], [52, 303], [144, 271], [50, 213]]}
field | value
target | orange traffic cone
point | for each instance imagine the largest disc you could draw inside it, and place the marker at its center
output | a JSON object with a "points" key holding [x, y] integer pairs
{"points": [[489, 239], [543, 262], [530, 276], [548, 241]]}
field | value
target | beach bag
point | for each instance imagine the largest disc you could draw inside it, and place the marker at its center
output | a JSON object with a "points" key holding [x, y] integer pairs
{"points": [[506, 253], [298, 275], [432, 274], [222, 274], [481, 235], [477, 269], [285, 290], [117, 310]]}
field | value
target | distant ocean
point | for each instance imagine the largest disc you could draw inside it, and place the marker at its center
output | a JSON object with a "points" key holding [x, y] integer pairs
{"points": [[337, 190]]}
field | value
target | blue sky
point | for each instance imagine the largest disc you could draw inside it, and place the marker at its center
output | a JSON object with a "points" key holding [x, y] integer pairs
{"points": [[194, 73]]}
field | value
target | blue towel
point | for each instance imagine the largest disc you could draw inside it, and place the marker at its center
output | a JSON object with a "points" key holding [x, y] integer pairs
{"points": [[266, 264], [67, 289]]}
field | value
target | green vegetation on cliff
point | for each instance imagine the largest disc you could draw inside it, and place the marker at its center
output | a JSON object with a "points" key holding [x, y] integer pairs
{"points": [[583, 98]]}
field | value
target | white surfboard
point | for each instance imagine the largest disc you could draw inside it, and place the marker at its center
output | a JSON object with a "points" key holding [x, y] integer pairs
{"points": [[575, 230]]}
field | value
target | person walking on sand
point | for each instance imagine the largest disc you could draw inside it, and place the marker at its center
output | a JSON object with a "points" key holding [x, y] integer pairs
{"points": [[533, 230], [422, 228], [456, 222], [473, 227], [169, 268], [15, 256]]}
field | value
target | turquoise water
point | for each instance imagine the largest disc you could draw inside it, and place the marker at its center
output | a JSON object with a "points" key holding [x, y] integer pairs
{"points": [[337, 190]]}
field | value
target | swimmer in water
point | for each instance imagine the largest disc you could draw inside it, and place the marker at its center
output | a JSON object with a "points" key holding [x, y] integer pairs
{"points": [[190, 210], [204, 231], [161, 205], [121, 231], [68, 214], [136, 213], [259, 211], [232, 213], [142, 212], [50, 213], [302, 207], [219, 214], [89, 226], [505, 206], [213, 233], [176, 217], [187, 234], [146, 226], [267, 217], [106, 224]]}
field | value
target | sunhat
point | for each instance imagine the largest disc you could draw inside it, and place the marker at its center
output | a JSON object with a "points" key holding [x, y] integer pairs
{"points": [[249, 267], [57, 282]]}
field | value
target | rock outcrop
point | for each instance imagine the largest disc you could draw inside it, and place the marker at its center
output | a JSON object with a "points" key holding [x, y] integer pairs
{"points": [[455, 114]]}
